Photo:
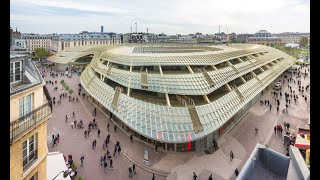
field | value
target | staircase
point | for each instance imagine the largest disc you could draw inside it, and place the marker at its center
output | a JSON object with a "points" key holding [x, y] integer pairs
{"points": [[197, 126], [144, 80], [116, 98], [235, 88], [208, 78], [109, 70]]}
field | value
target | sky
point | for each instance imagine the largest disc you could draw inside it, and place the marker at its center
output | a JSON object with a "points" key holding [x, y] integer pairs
{"points": [[161, 16]]}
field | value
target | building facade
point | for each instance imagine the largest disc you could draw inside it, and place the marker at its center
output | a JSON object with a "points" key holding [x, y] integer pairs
{"points": [[30, 109], [64, 41], [291, 37], [35, 41], [263, 37], [178, 96]]}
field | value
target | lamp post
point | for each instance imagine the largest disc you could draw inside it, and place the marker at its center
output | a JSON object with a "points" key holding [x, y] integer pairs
{"points": [[65, 174]]}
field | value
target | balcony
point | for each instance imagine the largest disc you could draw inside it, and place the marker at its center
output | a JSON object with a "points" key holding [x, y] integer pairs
{"points": [[29, 121]]}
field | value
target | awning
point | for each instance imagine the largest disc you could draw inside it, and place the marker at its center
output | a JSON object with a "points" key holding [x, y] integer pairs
{"points": [[56, 164]]}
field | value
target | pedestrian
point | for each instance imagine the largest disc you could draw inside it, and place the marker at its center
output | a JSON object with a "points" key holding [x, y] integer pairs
{"points": [[156, 148], [98, 132], [194, 177], [111, 162], [131, 138], [277, 108], [72, 123], [236, 171], [275, 129], [108, 126], [58, 137], [66, 118], [73, 115], [153, 177], [52, 137], [210, 177], [101, 160], [115, 128], [94, 143], [115, 150], [270, 107], [54, 142], [130, 172], [119, 150], [231, 155], [134, 168], [81, 159], [105, 166], [85, 133]]}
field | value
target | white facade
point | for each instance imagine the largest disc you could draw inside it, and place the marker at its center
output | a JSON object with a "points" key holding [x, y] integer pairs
{"points": [[34, 41]]}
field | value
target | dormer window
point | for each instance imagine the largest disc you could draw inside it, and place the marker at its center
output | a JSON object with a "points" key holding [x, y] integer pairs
{"points": [[15, 71]]}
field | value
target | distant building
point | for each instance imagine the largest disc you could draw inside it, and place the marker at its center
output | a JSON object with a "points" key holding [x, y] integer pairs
{"points": [[265, 38], [233, 37], [291, 37], [63, 41], [34, 41], [243, 38], [292, 45]]}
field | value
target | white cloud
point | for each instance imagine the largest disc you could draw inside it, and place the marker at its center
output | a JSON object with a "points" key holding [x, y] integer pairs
{"points": [[171, 17]]}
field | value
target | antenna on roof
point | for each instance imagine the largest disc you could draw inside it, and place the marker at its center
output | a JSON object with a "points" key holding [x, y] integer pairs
{"points": [[136, 27]]}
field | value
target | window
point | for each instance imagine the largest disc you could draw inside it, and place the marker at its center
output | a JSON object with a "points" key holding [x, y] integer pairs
{"points": [[25, 105], [34, 177], [29, 150], [15, 71]]}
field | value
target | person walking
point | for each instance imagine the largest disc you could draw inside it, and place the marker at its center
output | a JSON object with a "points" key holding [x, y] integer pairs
{"points": [[194, 177], [85, 133], [119, 149], [94, 143], [105, 166], [131, 138], [153, 177], [270, 107], [108, 125], [275, 129], [236, 171], [231, 155], [54, 142], [156, 148], [101, 161], [73, 115], [130, 172], [81, 159], [111, 162], [134, 168], [256, 129], [52, 137], [98, 132], [66, 118], [210, 177], [115, 128]]}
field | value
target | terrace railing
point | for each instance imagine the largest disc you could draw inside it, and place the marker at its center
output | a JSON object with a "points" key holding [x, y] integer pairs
{"points": [[29, 121]]}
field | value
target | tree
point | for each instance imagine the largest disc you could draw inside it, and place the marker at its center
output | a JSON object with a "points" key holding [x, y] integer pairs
{"points": [[303, 41], [41, 53]]}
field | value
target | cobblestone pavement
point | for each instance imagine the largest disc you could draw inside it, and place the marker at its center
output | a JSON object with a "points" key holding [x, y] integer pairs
{"points": [[74, 143], [241, 140]]}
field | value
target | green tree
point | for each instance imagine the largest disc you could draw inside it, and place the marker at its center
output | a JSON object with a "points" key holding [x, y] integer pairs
{"points": [[41, 53], [303, 41]]}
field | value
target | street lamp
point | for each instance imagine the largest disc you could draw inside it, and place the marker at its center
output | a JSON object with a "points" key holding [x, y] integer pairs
{"points": [[65, 174]]}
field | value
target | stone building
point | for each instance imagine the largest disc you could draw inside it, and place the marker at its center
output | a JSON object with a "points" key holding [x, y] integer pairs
{"points": [[30, 109], [263, 37]]}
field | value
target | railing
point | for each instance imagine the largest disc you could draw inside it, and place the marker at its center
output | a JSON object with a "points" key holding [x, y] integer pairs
{"points": [[47, 94], [182, 101], [29, 121]]}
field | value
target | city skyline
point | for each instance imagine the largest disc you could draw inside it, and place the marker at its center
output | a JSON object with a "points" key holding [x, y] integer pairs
{"points": [[178, 17]]}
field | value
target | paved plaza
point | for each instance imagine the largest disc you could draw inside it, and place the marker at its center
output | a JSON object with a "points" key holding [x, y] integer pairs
{"points": [[241, 139]]}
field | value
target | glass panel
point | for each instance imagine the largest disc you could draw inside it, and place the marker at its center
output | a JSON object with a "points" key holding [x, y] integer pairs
{"points": [[21, 107]]}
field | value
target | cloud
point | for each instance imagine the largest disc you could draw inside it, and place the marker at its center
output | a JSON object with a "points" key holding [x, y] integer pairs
{"points": [[168, 16]]}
